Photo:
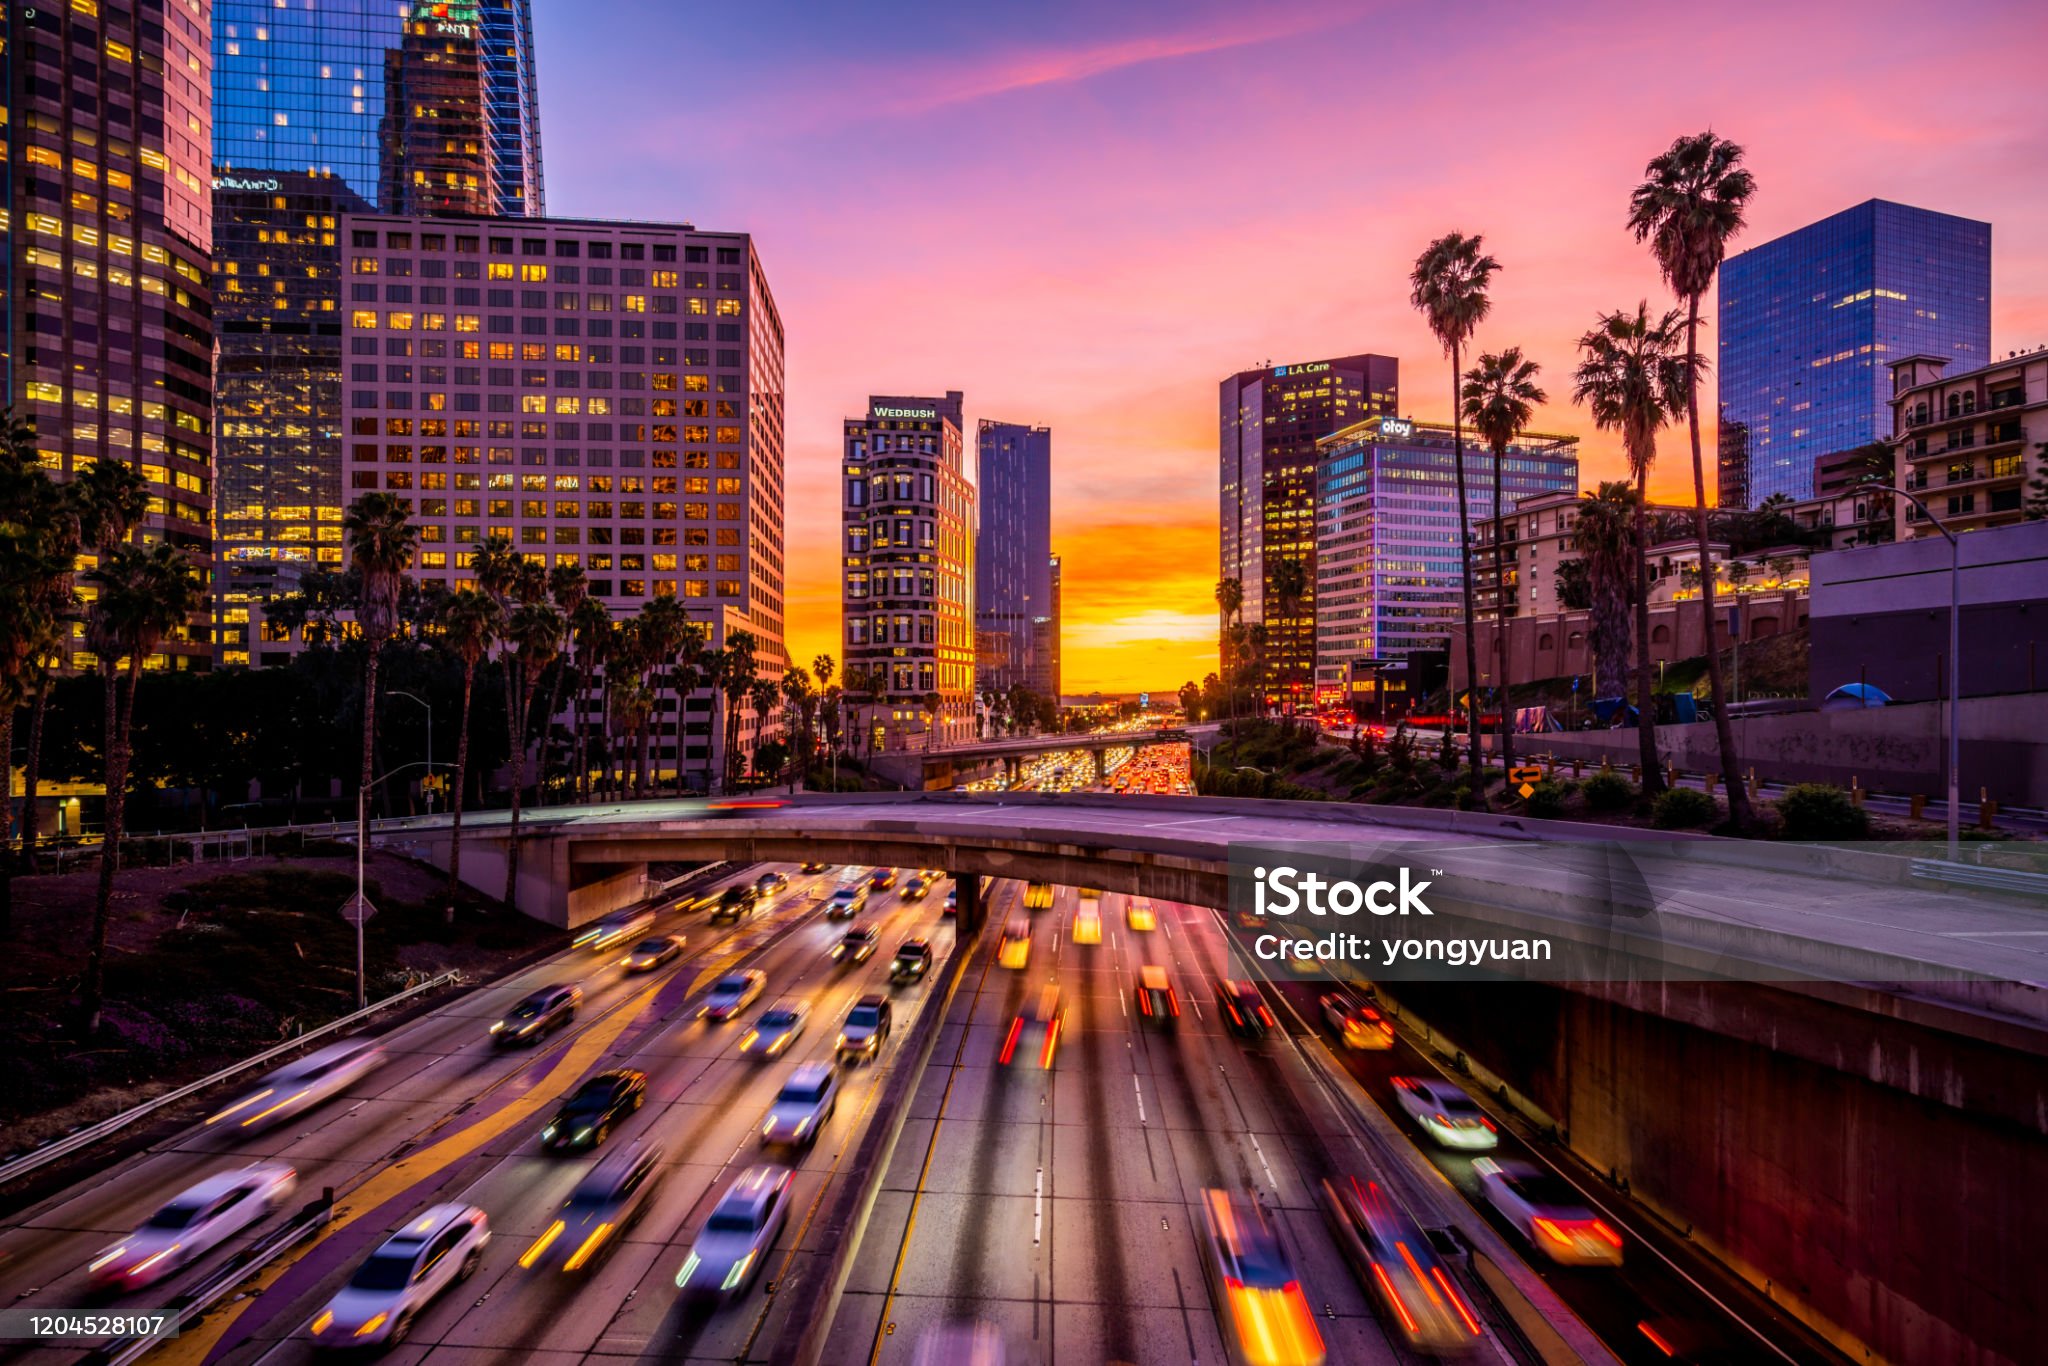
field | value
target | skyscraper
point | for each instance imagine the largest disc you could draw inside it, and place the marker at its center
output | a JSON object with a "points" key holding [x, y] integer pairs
{"points": [[1270, 422], [109, 325], [434, 152], [512, 88], [1809, 323], [1048, 680], [907, 576], [1012, 551]]}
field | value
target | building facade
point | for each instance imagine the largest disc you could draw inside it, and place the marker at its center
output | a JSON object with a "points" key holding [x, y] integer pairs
{"points": [[1388, 572], [1809, 322], [434, 146], [907, 577], [608, 395], [1270, 421], [1971, 443], [1046, 678], [108, 309], [1012, 552]]}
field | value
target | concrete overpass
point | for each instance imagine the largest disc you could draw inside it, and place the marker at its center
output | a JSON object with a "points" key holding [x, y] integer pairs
{"points": [[1833, 1077], [929, 769]]}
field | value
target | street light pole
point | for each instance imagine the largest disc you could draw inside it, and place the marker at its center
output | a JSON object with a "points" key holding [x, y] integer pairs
{"points": [[394, 692], [1955, 665]]}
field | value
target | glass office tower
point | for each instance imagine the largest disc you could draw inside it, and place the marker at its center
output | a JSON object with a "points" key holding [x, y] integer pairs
{"points": [[1809, 322], [1013, 555]]}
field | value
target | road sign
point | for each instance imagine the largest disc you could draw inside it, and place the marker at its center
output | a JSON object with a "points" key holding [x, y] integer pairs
{"points": [[358, 909], [1525, 773], [1527, 791]]}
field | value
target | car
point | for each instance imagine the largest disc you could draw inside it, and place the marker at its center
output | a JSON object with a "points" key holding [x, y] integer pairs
{"points": [[1037, 896], [1245, 1011], [1445, 1113], [299, 1086], [1548, 1210], [952, 902], [913, 960], [1359, 1025], [770, 882], [616, 928], [733, 1245], [191, 1224], [856, 946], [1139, 915], [737, 902], [1036, 1030], [1265, 1317], [882, 879], [732, 993], [1394, 1261], [865, 1030], [1157, 1000], [809, 1096], [535, 1016], [1014, 949], [846, 902], [776, 1029], [587, 1117], [609, 1199], [649, 954], [813, 867], [915, 886], [1088, 925], [437, 1249]]}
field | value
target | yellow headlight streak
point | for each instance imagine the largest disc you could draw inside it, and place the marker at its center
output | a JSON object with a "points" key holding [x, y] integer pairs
{"points": [[590, 1246], [540, 1245]]}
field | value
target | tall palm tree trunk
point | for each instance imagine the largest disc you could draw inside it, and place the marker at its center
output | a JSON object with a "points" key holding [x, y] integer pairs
{"points": [[371, 661], [1646, 703], [1465, 581], [581, 703], [115, 720], [32, 777], [1500, 614], [547, 725], [516, 707], [461, 786], [1724, 729]]}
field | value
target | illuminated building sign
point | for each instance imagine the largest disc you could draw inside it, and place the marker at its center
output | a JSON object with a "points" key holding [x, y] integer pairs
{"points": [[1313, 367], [882, 410], [1396, 428], [229, 182]]}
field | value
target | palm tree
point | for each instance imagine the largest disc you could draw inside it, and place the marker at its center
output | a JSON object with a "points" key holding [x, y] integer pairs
{"points": [[469, 626], [824, 666], [1449, 289], [534, 633], [799, 701], [1605, 533], [686, 680], [1631, 378], [590, 627], [628, 704], [1500, 393], [143, 595], [1690, 204], [762, 695], [1290, 584], [380, 536], [567, 588], [931, 702], [737, 681], [1230, 601]]}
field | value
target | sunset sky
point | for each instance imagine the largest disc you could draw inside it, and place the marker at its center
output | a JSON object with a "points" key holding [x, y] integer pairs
{"points": [[1085, 215]]}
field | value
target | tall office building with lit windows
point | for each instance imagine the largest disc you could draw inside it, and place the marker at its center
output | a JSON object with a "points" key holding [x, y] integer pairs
{"points": [[108, 313], [305, 134], [1270, 422], [1013, 611], [907, 512], [1809, 323]]}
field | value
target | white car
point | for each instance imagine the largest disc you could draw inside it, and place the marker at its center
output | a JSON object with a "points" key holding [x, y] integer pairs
{"points": [[775, 1029], [732, 993], [807, 1099], [299, 1086], [395, 1283], [735, 1241], [1445, 1113], [193, 1223], [1549, 1212]]}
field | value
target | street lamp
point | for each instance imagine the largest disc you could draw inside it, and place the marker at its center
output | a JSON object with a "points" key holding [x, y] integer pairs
{"points": [[1955, 662], [425, 793], [361, 902]]}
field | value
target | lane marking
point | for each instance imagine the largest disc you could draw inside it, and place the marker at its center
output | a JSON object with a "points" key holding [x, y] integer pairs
{"points": [[1141, 1098], [1038, 1208], [1262, 1161]]}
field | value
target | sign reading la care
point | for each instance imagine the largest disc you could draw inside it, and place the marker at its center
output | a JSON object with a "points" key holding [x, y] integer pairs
{"points": [[883, 410]]}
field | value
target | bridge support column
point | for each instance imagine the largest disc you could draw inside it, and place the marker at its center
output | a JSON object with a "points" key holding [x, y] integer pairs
{"points": [[1100, 774], [968, 909], [1011, 768]]}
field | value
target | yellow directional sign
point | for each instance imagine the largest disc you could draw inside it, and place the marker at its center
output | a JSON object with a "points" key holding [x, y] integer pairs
{"points": [[1525, 773], [1527, 791]]}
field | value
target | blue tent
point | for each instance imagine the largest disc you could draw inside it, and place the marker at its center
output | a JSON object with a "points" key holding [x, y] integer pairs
{"points": [[1853, 695]]}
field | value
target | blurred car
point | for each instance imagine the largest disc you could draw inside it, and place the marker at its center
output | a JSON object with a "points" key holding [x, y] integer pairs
{"points": [[882, 879], [776, 1029], [1445, 1113], [734, 1242], [586, 1117], [395, 1283], [1138, 914], [865, 1030], [952, 902], [847, 902], [1266, 1319], [732, 993], [192, 1224], [915, 887], [1037, 896], [609, 1199], [1157, 1000], [1036, 1030], [960, 1344], [616, 928], [771, 882], [649, 954], [1549, 1211], [537, 1015], [1014, 949], [299, 1086], [913, 960], [1395, 1263], [737, 902], [1356, 1023], [809, 1096], [856, 946], [813, 868], [1088, 925], [1245, 1011]]}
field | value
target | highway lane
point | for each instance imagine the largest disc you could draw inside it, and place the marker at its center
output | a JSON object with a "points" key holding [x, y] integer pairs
{"points": [[1063, 1205]]}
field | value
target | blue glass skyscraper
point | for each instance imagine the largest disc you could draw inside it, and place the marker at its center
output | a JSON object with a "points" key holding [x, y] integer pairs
{"points": [[1014, 618], [1809, 322]]}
